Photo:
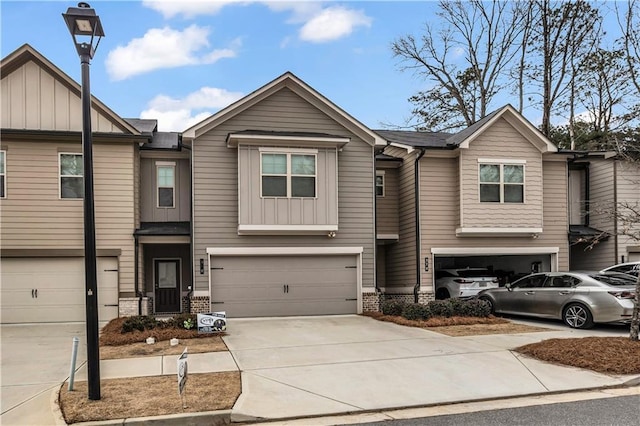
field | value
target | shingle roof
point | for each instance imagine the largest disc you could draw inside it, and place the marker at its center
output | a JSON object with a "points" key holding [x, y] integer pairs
{"points": [[164, 140], [144, 126], [437, 140], [459, 137]]}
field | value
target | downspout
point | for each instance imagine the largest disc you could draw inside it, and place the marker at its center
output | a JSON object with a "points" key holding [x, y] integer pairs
{"points": [[136, 277], [587, 195], [192, 287], [416, 176], [615, 207], [375, 223]]}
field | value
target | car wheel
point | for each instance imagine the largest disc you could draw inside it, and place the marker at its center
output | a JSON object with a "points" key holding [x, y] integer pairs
{"points": [[577, 315], [442, 293], [492, 308]]}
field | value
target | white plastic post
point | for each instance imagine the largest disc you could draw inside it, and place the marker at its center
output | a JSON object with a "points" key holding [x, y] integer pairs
{"points": [[74, 355]]}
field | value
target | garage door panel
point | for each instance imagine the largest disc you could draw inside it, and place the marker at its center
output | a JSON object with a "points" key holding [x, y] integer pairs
{"points": [[284, 286], [60, 289]]}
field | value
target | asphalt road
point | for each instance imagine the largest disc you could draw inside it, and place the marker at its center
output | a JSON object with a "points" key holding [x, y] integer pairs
{"points": [[615, 411]]}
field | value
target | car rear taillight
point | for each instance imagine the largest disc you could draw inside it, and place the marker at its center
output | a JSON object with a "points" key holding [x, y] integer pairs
{"points": [[463, 281], [622, 294], [495, 280]]}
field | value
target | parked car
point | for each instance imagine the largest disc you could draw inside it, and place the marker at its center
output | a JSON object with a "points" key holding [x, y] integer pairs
{"points": [[631, 268], [579, 299], [463, 282]]}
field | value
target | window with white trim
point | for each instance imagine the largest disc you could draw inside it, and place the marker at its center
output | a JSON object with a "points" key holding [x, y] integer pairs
{"points": [[166, 184], [3, 174], [501, 183], [71, 175], [380, 184], [289, 175]]}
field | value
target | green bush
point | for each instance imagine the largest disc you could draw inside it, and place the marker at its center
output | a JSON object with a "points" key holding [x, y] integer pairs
{"points": [[416, 311], [441, 308], [478, 308], [185, 321], [140, 323], [392, 307]]}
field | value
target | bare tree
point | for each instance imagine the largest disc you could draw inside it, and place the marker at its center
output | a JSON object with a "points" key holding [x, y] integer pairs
{"points": [[629, 21], [564, 33], [465, 60]]}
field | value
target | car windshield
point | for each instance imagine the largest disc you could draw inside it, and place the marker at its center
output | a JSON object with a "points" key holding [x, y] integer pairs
{"points": [[469, 273], [615, 279]]}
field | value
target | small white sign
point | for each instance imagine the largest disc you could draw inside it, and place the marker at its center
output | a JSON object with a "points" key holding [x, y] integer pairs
{"points": [[212, 322], [182, 371]]}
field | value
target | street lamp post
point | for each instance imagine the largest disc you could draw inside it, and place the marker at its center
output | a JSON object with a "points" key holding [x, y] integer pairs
{"points": [[85, 28]]}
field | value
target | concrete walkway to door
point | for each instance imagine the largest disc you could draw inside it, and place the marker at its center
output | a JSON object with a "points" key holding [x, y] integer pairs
{"points": [[296, 367]]}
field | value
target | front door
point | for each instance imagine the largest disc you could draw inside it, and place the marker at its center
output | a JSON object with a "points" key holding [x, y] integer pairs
{"points": [[167, 284]]}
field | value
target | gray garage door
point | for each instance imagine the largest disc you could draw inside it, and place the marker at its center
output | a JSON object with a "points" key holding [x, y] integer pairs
{"points": [[53, 289], [257, 286]]}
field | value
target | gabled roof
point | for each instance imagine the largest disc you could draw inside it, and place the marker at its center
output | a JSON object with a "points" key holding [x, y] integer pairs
{"points": [[462, 139], [26, 53], [509, 113], [290, 81]]}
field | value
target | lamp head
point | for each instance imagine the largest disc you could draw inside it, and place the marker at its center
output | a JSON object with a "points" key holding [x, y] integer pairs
{"points": [[85, 28]]}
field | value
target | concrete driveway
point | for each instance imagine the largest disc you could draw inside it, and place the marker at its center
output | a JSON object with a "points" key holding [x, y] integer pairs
{"points": [[296, 367], [35, 361]]}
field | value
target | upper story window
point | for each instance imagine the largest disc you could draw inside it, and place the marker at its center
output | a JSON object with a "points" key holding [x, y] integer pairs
{"points": [[290, 175], [380, 183], [3, 174], [71, 175], [166, 184], [501, 182]]}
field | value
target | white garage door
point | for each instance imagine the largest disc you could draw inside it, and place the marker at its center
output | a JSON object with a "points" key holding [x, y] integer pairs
{"points": [[257, 286], [53, 289], [634, 256]]}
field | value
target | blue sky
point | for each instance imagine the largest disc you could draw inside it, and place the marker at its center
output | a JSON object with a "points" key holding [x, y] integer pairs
{"points": [[180, 62]]}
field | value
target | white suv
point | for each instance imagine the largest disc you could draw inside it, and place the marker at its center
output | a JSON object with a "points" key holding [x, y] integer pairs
{"points": [[463, 282], [631, 268]]}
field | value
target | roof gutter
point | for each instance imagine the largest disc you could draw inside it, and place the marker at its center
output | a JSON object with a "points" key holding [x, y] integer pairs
{"points": [[416, 177]]}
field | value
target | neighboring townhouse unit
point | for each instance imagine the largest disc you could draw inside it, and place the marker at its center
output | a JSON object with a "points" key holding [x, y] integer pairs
{"points": [[42, 268], [283, 206], [600, 185], [493, 195], [163, 233]]}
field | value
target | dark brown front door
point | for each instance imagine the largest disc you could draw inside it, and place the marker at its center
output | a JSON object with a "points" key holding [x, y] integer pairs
{"points": [[167, 283]]}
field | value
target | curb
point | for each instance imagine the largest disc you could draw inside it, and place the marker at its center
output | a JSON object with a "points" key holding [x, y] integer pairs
{"points": [[211, 418]]}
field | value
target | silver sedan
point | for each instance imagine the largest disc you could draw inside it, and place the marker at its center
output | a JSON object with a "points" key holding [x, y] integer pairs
{"points": [[580, 299]]}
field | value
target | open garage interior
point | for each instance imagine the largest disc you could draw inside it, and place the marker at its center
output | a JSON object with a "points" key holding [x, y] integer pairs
{"points": [[507, 267], [52, 289], [265, 285]]}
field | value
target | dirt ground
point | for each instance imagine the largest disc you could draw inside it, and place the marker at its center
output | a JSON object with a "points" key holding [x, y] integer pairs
{"points": [[153, 396]]}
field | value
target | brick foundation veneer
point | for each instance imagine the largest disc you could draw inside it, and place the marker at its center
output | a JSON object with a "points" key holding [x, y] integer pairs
{"points": [[200, 305], [371, 302], [423, 297], [128, 306]]}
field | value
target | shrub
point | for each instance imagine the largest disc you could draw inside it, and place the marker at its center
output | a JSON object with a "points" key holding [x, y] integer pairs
{"points": [[478, 308], [441, 308], [392, 307], [184, 321], [416, 311], [140, 323]]}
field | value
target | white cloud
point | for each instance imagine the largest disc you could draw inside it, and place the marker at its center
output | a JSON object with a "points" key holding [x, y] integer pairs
{"points": [[189, 9], [320, 24], [176, 115], [164, 48], [333, 23]]}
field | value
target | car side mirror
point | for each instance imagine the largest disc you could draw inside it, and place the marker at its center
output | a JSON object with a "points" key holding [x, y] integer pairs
{"points": [[508, 286]]}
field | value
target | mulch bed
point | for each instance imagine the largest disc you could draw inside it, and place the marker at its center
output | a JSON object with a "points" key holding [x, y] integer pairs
{"points": [[111, 334], [609, 355], [436, 321]]}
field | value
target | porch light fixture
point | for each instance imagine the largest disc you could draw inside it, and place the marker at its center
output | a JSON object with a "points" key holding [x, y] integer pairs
{"points": [[86, 31]]}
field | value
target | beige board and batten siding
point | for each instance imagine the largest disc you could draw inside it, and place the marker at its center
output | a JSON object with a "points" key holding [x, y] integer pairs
{"points": [[33, 99], [628, 193], [256, 210], [149, 210], [401, 257], [215, 178], [439, 213], [601, 204], [503, 143], [34, 217], [387, 206]]}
